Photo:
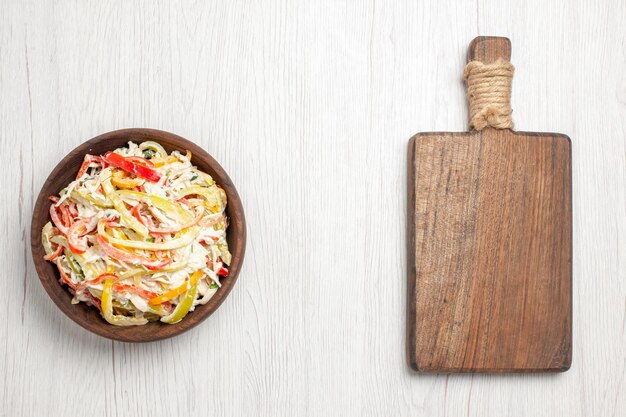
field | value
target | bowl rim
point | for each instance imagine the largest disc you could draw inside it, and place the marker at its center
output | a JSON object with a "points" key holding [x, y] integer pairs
{"points": [[78, 312]]}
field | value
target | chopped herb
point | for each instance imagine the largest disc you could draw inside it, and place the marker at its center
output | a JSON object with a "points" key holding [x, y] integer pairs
{"points": [[213, 285], [150, 239], [148, 153], [194, 176]]}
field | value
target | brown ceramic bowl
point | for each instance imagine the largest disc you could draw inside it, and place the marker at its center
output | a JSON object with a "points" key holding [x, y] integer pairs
{"points": [[88, 316]]}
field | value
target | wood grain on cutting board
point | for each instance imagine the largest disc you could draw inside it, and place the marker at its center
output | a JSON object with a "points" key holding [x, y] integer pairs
{"points": [[490, 244]]}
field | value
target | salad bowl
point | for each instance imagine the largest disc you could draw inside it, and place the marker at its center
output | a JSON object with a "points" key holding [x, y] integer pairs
{"points": [[89, 317]]}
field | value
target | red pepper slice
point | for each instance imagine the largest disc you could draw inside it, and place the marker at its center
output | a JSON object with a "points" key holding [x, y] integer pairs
{"points": [[73, 210], [64, 276], [95, 301], [81, 286], [136, 290], [77, 243], [126, 164], [206, 242], [54, 215], [86, 162], [123, 256], [222, 271], [66, 216], [52, 256], [146, 221], [140, 161], [90, 226]]}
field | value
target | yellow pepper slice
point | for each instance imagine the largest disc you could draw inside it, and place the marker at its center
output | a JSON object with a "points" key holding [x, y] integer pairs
{"points": [[45, 238], [183, 307], [130, 273], [212, 197], [174, 210], [136, 273], [154, 146], [121, 179], [89, 268], [107, 309], [80, 195], [193, 280], [73, 263], [127, 217], [183, 239]]}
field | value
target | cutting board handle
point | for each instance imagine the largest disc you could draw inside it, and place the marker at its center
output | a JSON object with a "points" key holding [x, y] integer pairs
{"points": [[489, 76], [488, 49]]}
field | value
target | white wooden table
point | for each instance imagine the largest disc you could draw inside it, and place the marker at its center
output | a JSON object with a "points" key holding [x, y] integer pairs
{"points": [[309, 106]]}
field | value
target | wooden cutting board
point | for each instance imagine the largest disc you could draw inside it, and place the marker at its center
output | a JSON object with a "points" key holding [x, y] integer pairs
{"points": [[490, 247]]}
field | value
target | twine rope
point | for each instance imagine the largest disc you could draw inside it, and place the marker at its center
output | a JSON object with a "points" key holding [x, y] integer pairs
{"points": [[489, 94]]}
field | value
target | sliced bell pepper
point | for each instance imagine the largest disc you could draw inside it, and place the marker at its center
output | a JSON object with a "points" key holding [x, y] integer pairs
{"points": [[82, 196], [107, 308], [88, 160], [65, 215], [97, 280], [183, 307], [121, 179], [213, 198], [53, 255], [208, 180], [77, 243], [93, 300], [146, 221], [73, 263], [64, 277], [225, 253], [130, 258], [185, 238], [54, 215], [161, 309], [109, 191], [135, 290], [158, 162], [46, 234], [124, 163], [173, 210], [135, 272], [90, 225], [136, 212], [140, 161], [154, 146], [193, 281], [72, 209], [220, 267], [89, 269]]}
